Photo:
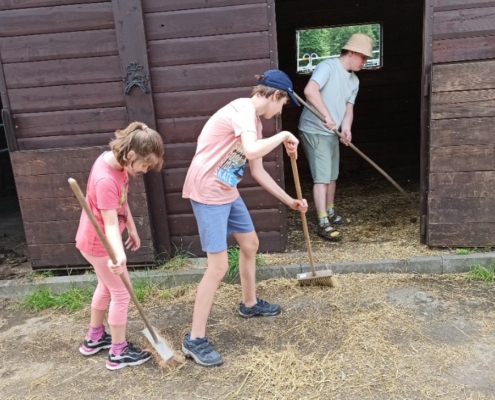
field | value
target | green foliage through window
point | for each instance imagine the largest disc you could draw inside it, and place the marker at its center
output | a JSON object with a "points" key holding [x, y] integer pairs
{"points": [[316, 45]]}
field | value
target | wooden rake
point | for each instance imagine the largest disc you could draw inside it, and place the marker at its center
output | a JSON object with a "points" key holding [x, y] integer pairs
{"points": [[387, 176]]}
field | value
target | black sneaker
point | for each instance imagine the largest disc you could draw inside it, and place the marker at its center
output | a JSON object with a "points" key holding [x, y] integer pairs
{"points": [[90, 347], [261, 307], [130, 356], [201, 351]]}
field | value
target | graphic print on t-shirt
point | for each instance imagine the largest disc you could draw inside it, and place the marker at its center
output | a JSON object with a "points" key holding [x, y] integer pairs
{"points": [[231, 169]]}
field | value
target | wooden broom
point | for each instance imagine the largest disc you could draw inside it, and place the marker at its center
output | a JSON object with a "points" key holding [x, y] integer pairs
{"points": [[166, 356], [313, 278]]}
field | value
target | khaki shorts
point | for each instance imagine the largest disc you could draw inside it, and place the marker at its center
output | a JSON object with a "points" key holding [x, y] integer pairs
{"points": [[323, 154]]}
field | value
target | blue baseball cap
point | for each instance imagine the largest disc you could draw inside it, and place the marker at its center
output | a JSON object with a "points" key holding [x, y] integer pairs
{"points": [[279, 80]]}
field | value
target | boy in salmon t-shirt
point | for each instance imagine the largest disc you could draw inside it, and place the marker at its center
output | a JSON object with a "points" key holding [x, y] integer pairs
{"points": [[232, 136]]}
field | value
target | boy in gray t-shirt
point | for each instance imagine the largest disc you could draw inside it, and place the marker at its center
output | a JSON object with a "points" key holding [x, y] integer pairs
{"points": [[332, 90]]}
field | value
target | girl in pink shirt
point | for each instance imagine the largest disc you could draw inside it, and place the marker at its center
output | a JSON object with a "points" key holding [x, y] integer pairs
{"points": [[134, 151]]}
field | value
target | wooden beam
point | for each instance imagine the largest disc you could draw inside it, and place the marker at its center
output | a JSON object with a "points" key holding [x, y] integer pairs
{"points": [[132, 46]]}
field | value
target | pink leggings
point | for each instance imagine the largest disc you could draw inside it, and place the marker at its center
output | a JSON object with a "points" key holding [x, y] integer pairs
{"points": [[110, 287]]}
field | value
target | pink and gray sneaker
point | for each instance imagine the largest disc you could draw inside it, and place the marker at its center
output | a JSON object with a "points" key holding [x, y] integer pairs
{"points": [[130, 356], [90, 347]]}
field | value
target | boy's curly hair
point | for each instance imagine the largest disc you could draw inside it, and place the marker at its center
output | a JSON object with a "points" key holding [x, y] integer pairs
{"points": [[146, 143]]}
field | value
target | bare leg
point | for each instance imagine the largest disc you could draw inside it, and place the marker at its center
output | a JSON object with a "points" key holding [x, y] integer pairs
{"points": [[320, 195], [248, 243], [330, 195], [217, 267], [118, 333], [97, 317]]}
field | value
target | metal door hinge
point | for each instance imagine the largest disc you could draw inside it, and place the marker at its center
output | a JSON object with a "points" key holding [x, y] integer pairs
{"points": [[427, 85], [423, 225]]}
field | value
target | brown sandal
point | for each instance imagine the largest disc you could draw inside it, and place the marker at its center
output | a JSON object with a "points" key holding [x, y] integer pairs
{"points": [[328, 232], [338, 220]]}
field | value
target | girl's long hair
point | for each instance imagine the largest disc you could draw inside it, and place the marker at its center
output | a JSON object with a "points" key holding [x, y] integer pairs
{"points": [[144, 141]]}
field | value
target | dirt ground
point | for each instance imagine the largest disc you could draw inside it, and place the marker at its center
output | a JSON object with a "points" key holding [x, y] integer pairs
{"points": [[377, 336]]}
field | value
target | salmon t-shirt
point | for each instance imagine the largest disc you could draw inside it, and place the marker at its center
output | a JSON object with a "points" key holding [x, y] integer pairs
{"points": [[218, 165], [107, 190]]}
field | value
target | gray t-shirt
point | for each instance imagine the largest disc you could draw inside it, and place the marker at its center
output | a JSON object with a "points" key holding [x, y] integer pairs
{"points": [[337, 88]]}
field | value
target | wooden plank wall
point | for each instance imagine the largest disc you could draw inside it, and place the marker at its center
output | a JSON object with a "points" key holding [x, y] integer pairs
{"points": [[203, 55], [64, 84], [462, 166], [51, 212], [62, 72], [387, 111]]}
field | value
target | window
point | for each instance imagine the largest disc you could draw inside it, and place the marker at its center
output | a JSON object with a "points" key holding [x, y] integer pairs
{"points": [[316, 45]]}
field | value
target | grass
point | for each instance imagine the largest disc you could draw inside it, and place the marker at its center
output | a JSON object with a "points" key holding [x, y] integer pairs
{"points": [[479, 273], [143, 288], [178, 260], [233, 254], [463, 251], [41, 299]]}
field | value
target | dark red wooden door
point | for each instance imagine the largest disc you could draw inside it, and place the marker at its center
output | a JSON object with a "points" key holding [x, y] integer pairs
{"points": [[461, 195]]}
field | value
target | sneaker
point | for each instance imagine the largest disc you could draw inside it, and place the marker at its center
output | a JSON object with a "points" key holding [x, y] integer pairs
{"points": [[90, 347], [201, 351], [261, 307], [130, 356]]}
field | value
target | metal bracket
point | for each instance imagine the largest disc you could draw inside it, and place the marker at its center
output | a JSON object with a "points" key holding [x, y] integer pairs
{"points": [[427, 85], [135, 77]]}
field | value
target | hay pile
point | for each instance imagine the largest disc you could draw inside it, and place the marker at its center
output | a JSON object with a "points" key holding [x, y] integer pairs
{"points": [[384, 225], [365, 348]]}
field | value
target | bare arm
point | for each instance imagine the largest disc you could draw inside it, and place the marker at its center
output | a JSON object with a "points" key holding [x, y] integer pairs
{"points": [[347, 122], [313, 95], [256, 148], [133, 242], [266, 181], [112, 232]]}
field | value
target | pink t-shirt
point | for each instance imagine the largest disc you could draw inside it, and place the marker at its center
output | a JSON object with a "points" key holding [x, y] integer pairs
{"points": [[107, 190], [218, 165]]}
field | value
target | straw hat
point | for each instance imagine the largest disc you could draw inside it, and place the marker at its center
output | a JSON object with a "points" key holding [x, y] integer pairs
{"points": [[360, 43]]}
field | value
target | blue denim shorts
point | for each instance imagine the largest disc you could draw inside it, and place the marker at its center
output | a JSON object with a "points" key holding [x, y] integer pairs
{"points": [[215, 222]]}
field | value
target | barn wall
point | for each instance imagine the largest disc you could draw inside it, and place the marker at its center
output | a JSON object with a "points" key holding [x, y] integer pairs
{"points": [[51, 212], [63, 88], [462, 167], [387, 111], [62, 72], [203, 55]]}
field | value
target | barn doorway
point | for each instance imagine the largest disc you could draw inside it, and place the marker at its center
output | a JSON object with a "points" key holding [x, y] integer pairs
{"points": [[13, 247], [387, 115]]}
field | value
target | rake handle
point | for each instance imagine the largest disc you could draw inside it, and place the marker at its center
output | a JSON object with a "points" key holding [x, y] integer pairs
{"points": [[77, 191], [303, 215], [322, 118]]}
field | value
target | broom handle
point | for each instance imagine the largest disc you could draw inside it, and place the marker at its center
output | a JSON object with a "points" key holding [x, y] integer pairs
{"points": [[77, 191], [322, 118], [303, 215]]}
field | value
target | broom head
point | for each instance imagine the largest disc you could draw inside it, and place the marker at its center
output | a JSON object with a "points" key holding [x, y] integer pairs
{"points": [[166, 357], [321, 278]]}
